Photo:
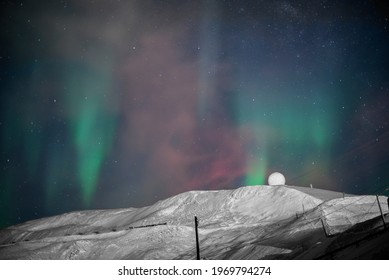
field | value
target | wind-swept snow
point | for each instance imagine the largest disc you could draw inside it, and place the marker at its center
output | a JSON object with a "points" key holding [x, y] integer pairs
{"points": [[246, 223]]}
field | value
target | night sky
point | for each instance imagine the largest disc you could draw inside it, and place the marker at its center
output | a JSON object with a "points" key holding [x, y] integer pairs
{"points": [[109, 104]]}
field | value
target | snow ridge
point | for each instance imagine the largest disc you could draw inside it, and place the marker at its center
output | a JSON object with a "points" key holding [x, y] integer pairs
{"points": [[250, 222]]}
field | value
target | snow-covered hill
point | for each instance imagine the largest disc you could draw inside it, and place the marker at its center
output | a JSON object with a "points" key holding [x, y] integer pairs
{"points": [[254, 222]]}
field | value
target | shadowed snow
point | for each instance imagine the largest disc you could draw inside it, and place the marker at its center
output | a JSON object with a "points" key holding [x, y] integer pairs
{"points": [[246, 223]]}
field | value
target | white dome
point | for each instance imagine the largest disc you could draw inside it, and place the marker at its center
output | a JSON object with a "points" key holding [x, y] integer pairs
{"points": [[276, 179]]}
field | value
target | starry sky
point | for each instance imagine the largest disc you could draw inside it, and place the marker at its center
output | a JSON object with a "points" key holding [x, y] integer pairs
{"points": [[109, 104]]}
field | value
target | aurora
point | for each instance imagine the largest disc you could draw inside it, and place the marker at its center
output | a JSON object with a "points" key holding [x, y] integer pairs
{"points": [[109, 105]]}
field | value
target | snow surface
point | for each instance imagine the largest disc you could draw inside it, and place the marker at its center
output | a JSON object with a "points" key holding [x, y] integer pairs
{"points": [[254, 222]]}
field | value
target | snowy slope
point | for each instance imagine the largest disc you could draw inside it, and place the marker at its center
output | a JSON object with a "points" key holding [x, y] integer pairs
{"points": [[246, 223]]}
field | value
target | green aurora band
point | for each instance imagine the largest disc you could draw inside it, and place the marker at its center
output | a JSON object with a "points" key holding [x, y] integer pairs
{"points": [[282, 135], [93, 124]]}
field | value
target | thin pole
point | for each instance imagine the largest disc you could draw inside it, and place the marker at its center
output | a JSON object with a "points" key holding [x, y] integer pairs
{"points": [[324, 227], [382, 215], [197, 238]]}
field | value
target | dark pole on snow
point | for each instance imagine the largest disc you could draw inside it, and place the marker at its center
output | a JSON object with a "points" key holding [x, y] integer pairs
{"points": [[197, 238], [382, 215], [324, 227]]}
